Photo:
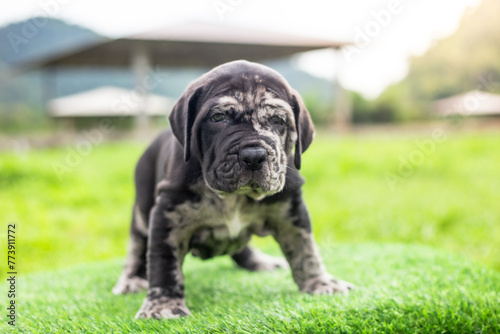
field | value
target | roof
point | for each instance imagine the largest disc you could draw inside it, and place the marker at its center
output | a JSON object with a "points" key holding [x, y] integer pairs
{"points": [[471, 103], [109, 101], [196, 43]]}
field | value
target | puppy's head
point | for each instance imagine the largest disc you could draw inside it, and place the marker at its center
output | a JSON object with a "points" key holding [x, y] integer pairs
{"points": [[242, 120]]}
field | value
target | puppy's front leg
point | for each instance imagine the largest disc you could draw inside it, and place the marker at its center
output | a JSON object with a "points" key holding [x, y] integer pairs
{"points": [[293, 233], [165, 297]]}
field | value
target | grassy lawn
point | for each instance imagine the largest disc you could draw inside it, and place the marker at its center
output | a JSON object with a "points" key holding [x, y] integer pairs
{"points": [[393, 208], [400, 289]]}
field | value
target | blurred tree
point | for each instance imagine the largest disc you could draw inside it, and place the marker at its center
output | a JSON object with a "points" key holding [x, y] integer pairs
{"points": [[319, 108], [361, 108], [466, 60]]}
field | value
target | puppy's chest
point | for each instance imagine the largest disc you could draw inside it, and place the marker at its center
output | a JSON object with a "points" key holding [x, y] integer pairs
{"points": [[231, 224], [228, 217], [217, 226]]}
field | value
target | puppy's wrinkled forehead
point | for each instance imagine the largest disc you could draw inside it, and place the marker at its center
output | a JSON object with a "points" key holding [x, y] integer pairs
{"points": [[259, 99]]}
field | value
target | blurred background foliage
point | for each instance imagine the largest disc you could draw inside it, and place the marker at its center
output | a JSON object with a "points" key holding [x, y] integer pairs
{"points": [[466, 60]]}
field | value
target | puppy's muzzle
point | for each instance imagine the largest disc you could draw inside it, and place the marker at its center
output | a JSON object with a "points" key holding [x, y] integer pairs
{"points": [[252, 158]]}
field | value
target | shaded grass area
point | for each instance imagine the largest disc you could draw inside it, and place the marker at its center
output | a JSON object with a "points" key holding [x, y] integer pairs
{"points": [[400, 289], [449, 200]]}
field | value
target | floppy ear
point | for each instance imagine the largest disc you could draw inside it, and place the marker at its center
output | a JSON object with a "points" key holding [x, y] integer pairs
{"points": [[304, 126], [182, 118]]}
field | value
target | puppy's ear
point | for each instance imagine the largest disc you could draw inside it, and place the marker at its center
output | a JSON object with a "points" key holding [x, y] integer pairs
{"points": [[182, 118], [304, 126]]}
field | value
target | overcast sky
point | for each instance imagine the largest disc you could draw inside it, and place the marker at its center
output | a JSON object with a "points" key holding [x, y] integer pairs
{"points": [[386, 32]]}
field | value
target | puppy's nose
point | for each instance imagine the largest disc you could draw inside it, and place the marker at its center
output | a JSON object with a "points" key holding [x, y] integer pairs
{"points": [[253, 157]]}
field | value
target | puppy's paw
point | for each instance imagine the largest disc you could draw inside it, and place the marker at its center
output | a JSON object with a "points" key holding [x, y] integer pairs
{"points": [[129, 285], [163, 308], [326, 285]]}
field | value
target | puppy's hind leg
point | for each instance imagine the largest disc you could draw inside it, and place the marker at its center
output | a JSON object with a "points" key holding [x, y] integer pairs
{"points": [[133, 277], [254, 260]]}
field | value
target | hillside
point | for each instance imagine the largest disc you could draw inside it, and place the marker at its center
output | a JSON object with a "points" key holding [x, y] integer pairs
{"points": [[41, 37], [466, 60], [21, 96], [463, 61]]}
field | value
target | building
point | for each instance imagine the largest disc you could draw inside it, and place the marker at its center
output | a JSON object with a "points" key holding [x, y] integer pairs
{"points": [[473, 103]]}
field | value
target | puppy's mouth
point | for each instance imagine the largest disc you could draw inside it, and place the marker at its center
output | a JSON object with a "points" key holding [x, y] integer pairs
{"points": [[252, 185], [231, 177], [253, 189]]}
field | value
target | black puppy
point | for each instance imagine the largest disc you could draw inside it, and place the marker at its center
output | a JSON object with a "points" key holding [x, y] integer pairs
{"points": [[224, 172]]}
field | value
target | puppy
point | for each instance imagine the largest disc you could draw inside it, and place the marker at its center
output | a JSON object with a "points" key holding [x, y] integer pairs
{"points": [[227, 169]]}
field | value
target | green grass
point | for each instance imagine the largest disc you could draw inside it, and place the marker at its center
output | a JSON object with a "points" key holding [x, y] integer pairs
{"points": [[400, 289], [392, 240], [450, 202], [80, 217]]}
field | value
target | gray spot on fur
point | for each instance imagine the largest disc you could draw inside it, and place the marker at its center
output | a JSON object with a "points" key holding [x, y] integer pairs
{"points": [[162, 306], [128, 282], [256, 108], [223, 225], [302, 254], [140, 221]]}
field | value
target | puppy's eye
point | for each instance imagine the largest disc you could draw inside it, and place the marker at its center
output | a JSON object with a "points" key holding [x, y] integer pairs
{"points": [[218, 117], [276, 120]]}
